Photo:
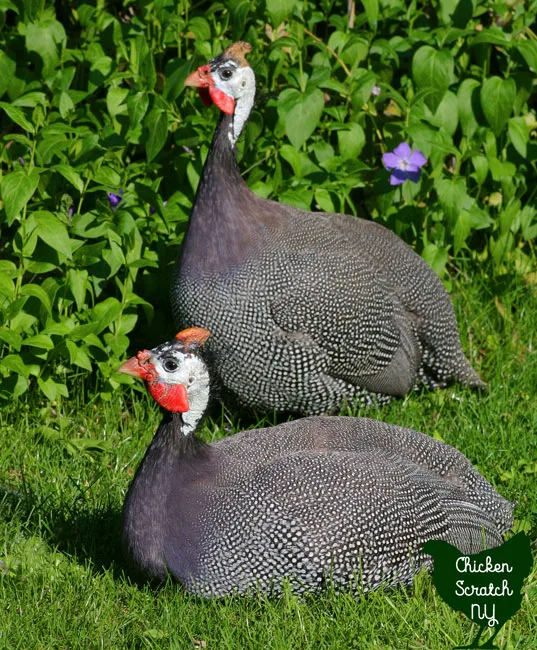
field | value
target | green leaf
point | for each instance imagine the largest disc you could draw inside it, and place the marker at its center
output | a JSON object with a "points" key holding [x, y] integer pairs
{"points": [[148, 72], [14, 363], [324, 200], [7, 286], [70, 175], [480, 218], [66, 104], [53, 232], [492, 36], [7, 4], [278, 10], [44, 38], [519, 135], [200, 28], [157, 132], [452, 196], [447, 114], [351, 141], [106, 312], [8, 67], [31, 100], [434, 69], [303, 118], [371, 11], [497, 99], [17, 189], [51, 389], [481, 167], [115, 99], [78, 356], [10, 337], [33, 9], [17, 115], [456, 13], [176, 81], [108, 177], [528, 49], [436, 257], [37, 291], [39, 341], [461, 231], [291, 155], [137, 107], [78, 282], [126, 324], [239, 14], [465, 106]]}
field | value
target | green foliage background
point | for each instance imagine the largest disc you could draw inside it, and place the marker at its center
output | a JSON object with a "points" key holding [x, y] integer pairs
{"points": [[92, 102]]}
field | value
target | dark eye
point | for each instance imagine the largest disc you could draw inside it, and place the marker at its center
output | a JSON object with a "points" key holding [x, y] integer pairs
{"points": [[226, 74], [170, 365]]}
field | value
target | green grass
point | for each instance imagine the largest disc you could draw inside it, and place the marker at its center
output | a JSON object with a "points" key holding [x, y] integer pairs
{"points": [[63, 476]]}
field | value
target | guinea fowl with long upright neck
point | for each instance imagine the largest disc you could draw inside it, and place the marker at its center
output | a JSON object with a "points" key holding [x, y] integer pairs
{"points": [[350, 500], [306, 309]]}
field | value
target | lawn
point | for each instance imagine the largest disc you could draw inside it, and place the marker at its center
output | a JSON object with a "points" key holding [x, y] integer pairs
{"points": [[64, 474]]}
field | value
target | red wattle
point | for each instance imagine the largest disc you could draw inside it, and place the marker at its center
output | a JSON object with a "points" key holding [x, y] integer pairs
{"points": [[172, 397], [224, 102]]}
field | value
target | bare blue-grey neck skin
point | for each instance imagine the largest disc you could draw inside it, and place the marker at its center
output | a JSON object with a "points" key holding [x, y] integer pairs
{"points": [[222, 228], [160, 513], [160, 510]]}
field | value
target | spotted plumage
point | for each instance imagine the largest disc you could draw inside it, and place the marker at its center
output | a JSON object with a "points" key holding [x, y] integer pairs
{"points": [[345, 500]]}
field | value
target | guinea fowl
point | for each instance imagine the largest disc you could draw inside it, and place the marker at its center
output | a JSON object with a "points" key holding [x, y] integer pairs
{"points": [[350, 500], [306, 309]]}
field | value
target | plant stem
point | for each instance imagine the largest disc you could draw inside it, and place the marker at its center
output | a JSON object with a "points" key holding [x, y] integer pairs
{"points": [[329, 49]]}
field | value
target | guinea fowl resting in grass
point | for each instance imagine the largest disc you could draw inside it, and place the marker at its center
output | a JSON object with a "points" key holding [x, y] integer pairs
{"points": [[306, 309], [349, 500]]}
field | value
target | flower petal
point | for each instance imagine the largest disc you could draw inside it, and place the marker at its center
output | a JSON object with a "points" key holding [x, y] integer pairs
{"points": [[417, 159], [414, 176], [403, 150], [390, 160], [397, 177], [114, 199]]}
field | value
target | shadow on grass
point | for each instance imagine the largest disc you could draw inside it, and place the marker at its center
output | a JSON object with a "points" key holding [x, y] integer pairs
{"points": [[90, 537]]}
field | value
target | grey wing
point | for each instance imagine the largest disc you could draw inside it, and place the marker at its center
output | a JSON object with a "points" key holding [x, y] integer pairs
{"points": [[347, 315]]}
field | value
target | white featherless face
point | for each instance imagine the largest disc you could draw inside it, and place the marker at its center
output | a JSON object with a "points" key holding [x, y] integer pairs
{"points": [[239, 83], [174, 367]]}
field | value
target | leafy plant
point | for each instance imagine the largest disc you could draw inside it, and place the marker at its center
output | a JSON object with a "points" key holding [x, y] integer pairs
{"points": [[92, 105]]}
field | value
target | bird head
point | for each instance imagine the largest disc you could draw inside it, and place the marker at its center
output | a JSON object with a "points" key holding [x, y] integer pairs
{"points": [[176, 374], [226, 80]]}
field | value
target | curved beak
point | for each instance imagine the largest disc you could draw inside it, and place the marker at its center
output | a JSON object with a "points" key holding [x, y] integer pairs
{"points": [[135, 366], [200, 78], [132, 367]]}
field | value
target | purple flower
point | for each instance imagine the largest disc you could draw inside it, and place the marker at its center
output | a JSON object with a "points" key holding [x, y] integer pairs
{"points": [[114, 199], [375, 91], [404, 164], [71, 211], [22, 161]]}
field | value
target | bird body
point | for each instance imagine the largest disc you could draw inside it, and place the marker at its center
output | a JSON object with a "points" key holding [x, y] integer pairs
{"points": [[350, 500], [306, 309]]}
